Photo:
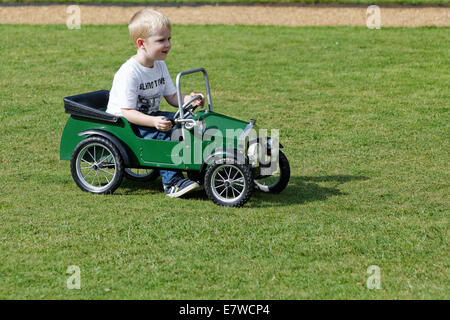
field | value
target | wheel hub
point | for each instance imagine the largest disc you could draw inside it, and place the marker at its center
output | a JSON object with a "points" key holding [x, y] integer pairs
{"points": [[228, 183]]}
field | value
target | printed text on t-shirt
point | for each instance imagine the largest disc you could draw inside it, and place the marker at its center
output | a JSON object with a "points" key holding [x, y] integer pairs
{"points": [[152, 84]]}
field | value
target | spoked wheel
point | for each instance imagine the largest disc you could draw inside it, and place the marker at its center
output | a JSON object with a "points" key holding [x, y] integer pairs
{"points": [[228, 183], [141, 174], [96, 165], [280, 178]]}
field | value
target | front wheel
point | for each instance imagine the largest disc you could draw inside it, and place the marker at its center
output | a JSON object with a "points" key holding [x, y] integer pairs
{"points": [[97, 165], [228, 183], [280, 178]]}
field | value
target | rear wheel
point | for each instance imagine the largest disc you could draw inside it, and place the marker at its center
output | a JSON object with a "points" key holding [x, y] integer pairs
{"points": [[228, 183], [141, 174], [96, 165]]}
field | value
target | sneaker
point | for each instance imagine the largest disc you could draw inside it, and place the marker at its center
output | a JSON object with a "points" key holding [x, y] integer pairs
{"points": [[180, 187]]}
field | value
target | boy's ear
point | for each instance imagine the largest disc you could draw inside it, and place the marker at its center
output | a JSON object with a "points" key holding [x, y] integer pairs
{"points": [[139, 42]]}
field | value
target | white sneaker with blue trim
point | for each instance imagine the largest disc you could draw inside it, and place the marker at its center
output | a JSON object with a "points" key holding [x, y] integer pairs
{"points": [[180, 188]]}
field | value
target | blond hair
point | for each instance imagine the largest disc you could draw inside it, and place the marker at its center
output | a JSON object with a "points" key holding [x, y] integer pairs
{"points": [[145, 23]]}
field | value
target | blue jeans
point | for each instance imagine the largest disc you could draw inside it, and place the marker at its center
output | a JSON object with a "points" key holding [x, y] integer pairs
{"points": [[167, 176]]}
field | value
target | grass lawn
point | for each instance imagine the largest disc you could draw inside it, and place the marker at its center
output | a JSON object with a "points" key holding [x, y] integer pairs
{"points": [[145, 2], [364, 118]]}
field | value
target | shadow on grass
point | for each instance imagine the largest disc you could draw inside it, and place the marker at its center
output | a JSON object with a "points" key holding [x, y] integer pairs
{"points": [[130, 187], [302, 189], [305, 189]]}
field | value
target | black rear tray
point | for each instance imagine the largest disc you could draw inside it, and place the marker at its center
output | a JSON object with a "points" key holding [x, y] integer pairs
{"points": [[91, 105]]}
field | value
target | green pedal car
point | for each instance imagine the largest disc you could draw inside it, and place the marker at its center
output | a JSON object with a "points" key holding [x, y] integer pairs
{"points": [[229, 157]]}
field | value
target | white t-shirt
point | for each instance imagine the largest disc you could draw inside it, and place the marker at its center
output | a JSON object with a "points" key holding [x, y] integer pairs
{"points": [[140, 88]]}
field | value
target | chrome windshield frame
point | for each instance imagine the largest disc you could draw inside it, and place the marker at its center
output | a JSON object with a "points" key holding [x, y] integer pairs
{"points": [[178, 84]]}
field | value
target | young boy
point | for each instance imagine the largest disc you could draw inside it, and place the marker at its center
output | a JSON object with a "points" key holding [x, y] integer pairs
{"points": [[140, 84]]}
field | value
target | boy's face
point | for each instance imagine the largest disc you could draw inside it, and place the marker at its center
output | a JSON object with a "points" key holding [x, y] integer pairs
{"points": [[157, 46]]}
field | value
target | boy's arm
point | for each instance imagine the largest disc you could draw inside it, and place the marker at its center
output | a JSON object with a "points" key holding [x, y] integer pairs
{"points": [[142, 119], [173, 99]]}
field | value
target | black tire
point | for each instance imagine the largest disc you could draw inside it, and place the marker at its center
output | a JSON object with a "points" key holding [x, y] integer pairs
{"points": [[240, 182], [196, 176], [97, 165], [270, 185], [146, 175]]}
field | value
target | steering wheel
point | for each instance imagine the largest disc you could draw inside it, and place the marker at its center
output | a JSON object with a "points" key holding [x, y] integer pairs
{"points": [[188, 105]]}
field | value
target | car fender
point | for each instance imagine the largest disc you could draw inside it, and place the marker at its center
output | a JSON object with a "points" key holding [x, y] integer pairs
{"points": [[220, 154], [119, 144]]}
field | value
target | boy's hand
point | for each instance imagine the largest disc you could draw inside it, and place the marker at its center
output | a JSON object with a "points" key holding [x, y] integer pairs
{"points": [[161, 124], [198, 102]]}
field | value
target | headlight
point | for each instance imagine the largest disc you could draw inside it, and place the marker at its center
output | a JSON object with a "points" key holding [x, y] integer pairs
{"points": [[253, 154]]}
